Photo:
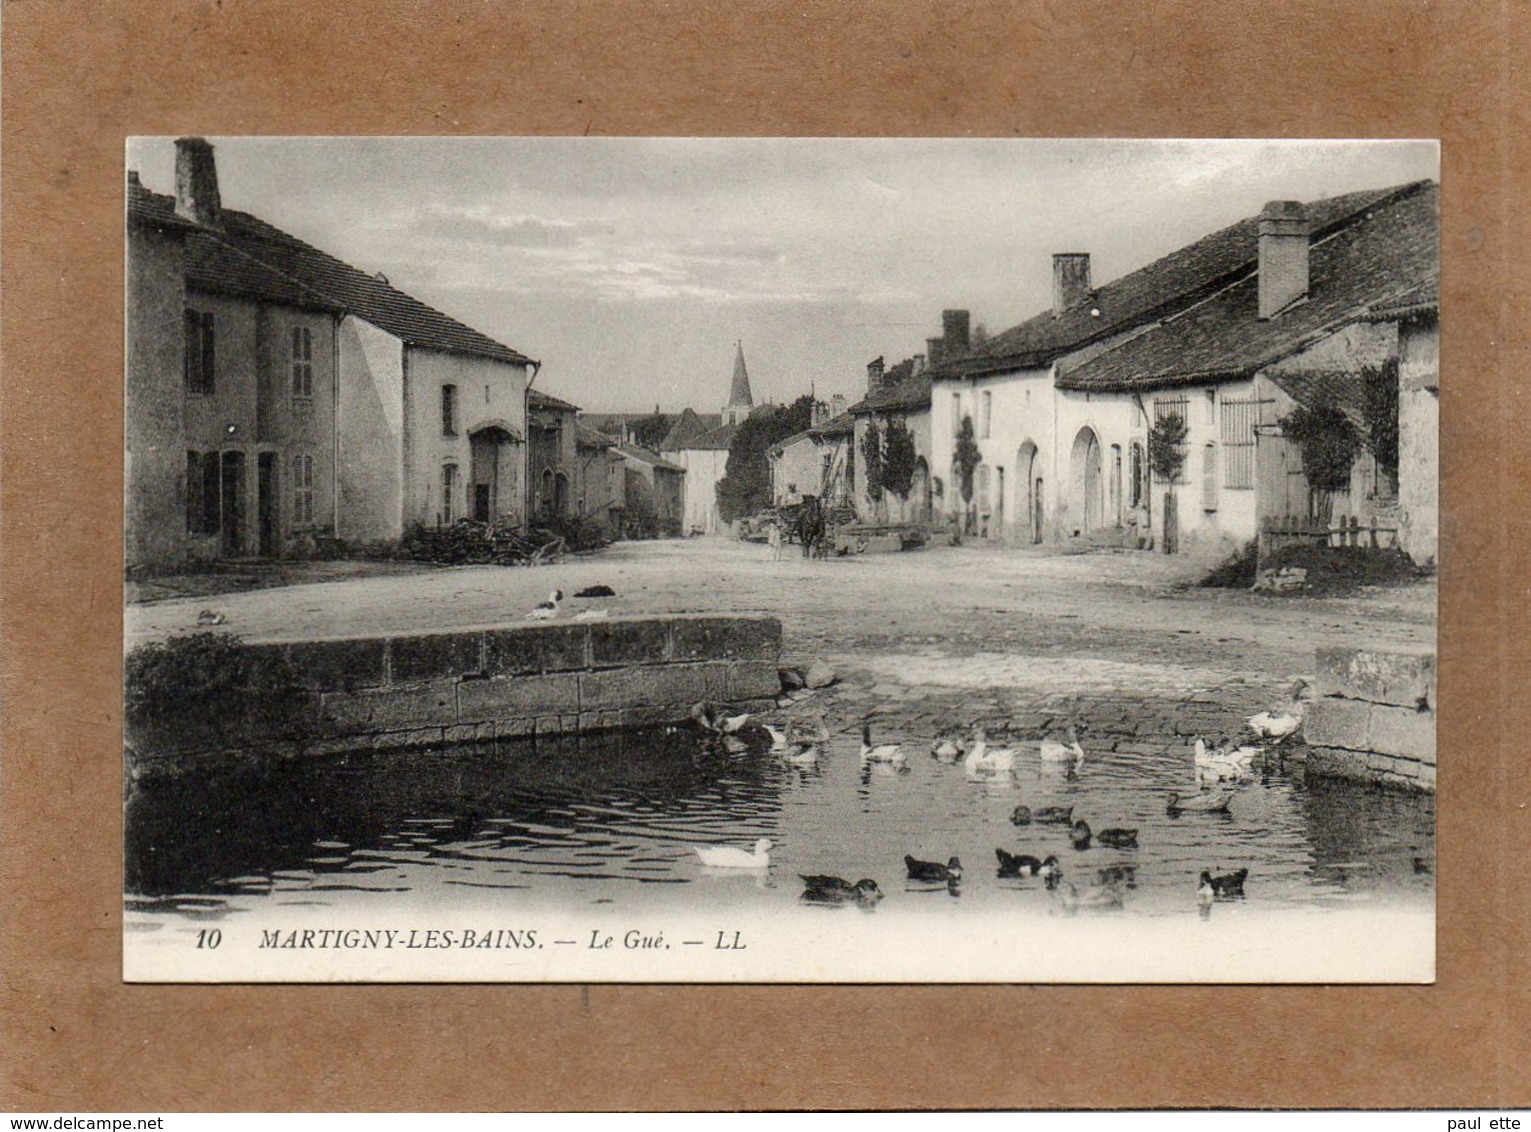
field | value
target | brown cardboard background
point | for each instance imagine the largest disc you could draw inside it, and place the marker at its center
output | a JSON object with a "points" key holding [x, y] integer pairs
{"points": [[79, 77]]}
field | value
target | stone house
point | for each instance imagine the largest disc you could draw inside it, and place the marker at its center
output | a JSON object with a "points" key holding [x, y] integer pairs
{"points": [[902, 393], [813, 462], [1218, 333], [653, 493], [699, 443], [551, 455], [413, 417], [600, 484]]}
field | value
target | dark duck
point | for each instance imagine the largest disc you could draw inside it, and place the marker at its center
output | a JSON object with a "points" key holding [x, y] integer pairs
{"points": [[932, 871], [1118, 838], [1230, 886], [837, 890]]}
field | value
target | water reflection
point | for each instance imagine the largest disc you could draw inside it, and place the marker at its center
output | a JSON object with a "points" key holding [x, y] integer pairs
{"points": [[609, 820]]}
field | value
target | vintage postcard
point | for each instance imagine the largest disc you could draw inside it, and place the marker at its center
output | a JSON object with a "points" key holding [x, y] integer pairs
{"points": [[768, 560]]}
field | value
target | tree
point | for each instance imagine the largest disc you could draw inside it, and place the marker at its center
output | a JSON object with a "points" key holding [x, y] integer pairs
{"points": [[745, 488], [872, 457], [966, 458], [1329, 443], [1166, 458], [898, 458], [651, 431], [1380, 411]]}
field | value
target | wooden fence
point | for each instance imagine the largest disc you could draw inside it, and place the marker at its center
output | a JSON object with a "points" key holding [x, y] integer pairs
{"points": [[1277, 532]]}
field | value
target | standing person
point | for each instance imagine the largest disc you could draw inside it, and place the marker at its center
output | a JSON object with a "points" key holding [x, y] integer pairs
{"points": [[775, 537]]}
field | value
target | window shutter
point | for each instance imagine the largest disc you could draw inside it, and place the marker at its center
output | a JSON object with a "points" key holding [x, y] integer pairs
{"points": [[208, 353], [1209, 478]]}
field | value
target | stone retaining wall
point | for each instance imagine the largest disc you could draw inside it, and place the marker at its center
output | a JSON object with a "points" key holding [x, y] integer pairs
{"points": [[1375, 719], [499, 681]]}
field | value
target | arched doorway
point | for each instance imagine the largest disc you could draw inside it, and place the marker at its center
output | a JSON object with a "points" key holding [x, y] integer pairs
{"points": [[1086, 502], [1028, 494], [492, 489]]}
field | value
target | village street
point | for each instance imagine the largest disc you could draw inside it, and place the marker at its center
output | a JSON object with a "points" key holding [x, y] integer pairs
{"points": [[918, 640]]}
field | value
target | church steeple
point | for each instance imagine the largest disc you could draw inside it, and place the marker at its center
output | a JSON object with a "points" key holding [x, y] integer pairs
{"points": [[739, 400]]}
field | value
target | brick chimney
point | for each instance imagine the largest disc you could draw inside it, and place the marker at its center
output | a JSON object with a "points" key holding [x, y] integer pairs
{"points": [[836, 405], [954, 334], [918, 366], [874, 375], [933, 348], [1071, 280], [1283, 256], [196, 183]]}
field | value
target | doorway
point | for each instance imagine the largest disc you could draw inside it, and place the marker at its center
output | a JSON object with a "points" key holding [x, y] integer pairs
{"points": [[265, 503]]}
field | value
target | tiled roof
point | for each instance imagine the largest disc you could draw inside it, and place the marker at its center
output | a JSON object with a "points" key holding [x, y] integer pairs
{"points": [[587, 437], [537, 399], [1422, 298], [909, 396], [842, 425], [155, 209], [1160, 289], [688, 426], [1390, 248], [218, 269], [638, 453], [713, 440], [1314, 387], [349, 288]]}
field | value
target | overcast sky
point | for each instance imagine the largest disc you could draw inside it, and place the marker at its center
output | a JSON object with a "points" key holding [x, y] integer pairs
{"points": [[629, 266]]}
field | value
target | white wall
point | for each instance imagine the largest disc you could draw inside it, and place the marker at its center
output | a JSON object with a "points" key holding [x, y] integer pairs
{"points": [[371, 427], [704, 468], [487, 390]]}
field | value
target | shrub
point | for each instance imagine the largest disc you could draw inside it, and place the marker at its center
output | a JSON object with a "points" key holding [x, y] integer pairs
{"points": [[966, 458], [898, 458], [872, 460], [1238, 571], [1166, 448], [1328, 441], [206, 683]]}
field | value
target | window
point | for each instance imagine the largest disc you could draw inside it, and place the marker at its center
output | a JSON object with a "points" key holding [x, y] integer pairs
{"points": [[449, 410], [983, 414], [302, 491], [1238, 435], [1209, 477], [199, 352], [302, 363], [1212, 406], [448, 488]]}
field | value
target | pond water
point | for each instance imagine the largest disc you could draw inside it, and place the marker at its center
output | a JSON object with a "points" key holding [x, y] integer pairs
{"points": [[614, 825]]}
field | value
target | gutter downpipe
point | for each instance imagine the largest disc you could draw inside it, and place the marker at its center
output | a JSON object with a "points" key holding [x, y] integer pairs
{"points": [[1148, 502]]}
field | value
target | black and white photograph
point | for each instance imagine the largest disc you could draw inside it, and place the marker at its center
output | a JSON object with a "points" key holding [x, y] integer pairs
{"points": [[767, 560]]}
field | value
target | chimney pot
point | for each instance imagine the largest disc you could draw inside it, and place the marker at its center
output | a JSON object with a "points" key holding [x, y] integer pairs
{"points": [[1071, 280], [196, 183], [1283, 256], [954, 334]]}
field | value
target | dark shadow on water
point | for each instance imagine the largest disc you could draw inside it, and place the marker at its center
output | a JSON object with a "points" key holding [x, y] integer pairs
{"points": [[1364, 836], [587, 806]]}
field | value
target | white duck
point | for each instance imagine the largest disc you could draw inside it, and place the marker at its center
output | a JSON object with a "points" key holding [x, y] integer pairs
{"points": [[546, 610], [983, 759], [1071, 752], [778, 738], [728, 857], [1229, 764], [946, 749], [1281, 724], [886, 753]]}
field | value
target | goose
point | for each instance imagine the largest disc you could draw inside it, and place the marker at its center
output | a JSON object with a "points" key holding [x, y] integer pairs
{"points": [[1215, 802], [728, 857], [778, 737], [982, 759], [1118, 838], [1071, 752], [886, 753], [1232, 759], [1282, 723], [546, 610], [1228, 886], [1017, 864], [591, 615], [1079, 835], [836, 890], [932, 871]]}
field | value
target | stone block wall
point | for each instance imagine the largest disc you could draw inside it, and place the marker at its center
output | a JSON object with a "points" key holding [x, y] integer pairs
{"points": [[502, 681], [1375, 718]]}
